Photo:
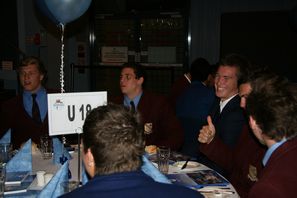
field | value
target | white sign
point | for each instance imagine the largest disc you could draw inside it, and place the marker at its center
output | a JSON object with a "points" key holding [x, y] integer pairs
{"points": [[67, 111], [114, 54]]}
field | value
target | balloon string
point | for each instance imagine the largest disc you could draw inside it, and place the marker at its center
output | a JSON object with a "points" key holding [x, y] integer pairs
{"points": [[62, 59]]}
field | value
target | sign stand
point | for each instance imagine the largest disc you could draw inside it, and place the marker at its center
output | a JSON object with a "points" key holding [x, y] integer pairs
{"points": [[67, 113], [78, 159]]}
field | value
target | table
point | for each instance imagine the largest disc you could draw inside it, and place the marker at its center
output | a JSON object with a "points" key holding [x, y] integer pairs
{"points": [[47, 164], [180, 177], [38, 163]]}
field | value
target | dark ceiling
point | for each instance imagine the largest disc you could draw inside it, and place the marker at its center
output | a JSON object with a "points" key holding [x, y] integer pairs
{"points": [[125, 6]]}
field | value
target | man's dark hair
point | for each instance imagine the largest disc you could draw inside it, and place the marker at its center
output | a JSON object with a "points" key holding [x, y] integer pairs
{"points": [[253, 72], [115, 136], [200, 69], [238, 61], [138, 69], [273, 105]]}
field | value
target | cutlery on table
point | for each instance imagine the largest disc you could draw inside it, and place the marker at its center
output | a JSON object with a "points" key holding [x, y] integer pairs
{"points": [[185, 164]]}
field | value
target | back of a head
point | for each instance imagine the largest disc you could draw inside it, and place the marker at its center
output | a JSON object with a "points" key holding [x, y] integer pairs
{"points": [[253, 72], [115, 136], [200, 69], [273, 106]]}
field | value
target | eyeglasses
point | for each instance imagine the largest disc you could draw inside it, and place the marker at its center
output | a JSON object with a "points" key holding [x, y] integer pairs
{"points": [[127, 77]]}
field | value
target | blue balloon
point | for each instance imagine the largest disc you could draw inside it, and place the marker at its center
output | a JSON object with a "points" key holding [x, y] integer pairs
{"points": [[43, 8], [66, 11]]}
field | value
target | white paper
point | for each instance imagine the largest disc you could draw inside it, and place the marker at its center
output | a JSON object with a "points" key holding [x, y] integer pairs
{"points": [[67, 111]]}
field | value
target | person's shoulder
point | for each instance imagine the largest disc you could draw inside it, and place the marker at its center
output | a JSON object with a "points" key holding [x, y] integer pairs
{"points": [[52, 90], [287, 152], [235, 100], [12, 101], [265, 189], [117, 99], [153, 96], [149, 93], [182, 81], [234, 105]]}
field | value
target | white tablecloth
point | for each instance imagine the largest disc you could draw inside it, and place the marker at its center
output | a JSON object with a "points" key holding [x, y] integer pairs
{"points": [[47, 165]]}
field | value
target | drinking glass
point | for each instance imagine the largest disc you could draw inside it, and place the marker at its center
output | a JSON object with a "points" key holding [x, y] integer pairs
{"points": [[69, 186], [46, 147], [2, 179], [163, 154], [5, 152]]}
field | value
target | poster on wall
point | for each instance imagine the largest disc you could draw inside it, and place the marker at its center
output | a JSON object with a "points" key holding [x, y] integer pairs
{"points": [[67, 111], [114, 54]]}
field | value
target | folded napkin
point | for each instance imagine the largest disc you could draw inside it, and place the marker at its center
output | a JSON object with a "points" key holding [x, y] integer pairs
{"points": [[149, 169], [22, 161], [84, 175], [6, 138], [61, 155], [54, 188]]}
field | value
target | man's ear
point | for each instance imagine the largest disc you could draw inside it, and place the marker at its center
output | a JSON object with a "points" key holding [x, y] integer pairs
{"points": [[141, 80], [256, 130], [41, 77], [252, 122], [90, 157]]}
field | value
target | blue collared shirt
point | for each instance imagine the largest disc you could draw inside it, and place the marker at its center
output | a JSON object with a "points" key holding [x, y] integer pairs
{"points": [[271, 150], [41, 100], [135, 100]]}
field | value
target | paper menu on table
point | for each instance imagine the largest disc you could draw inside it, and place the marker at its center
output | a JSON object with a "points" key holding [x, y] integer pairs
{"points": [[198, 179], [208, 178], [19, 188], [13, 178]]}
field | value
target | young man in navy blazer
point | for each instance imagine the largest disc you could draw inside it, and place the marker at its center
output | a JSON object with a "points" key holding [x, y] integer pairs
{"points": [[226, 118]]}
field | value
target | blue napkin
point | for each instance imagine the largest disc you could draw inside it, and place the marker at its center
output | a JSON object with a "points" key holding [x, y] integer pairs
{"points": [[22, 161], [53, 188], [149, 169], [85, 178], [59, 151], [6, 138]]}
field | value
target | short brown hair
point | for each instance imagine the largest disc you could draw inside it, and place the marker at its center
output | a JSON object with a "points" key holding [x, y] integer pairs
{"points": [[115, 136], [273, 105]]}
